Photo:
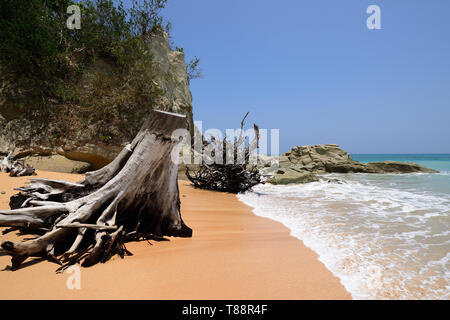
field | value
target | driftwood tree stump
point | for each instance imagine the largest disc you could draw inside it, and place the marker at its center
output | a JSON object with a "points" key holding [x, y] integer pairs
{"points": [[135, 197]]}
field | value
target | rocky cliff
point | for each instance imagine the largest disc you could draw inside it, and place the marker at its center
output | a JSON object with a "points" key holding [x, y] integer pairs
{"points": [[75, 136]]}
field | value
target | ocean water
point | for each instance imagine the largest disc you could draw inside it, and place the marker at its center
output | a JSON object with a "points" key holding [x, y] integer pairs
{"points": [[385, 236]]}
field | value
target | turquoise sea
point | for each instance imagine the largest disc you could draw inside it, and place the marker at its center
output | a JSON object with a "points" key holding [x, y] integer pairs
{"points": [[440, 162], [386, 236]]}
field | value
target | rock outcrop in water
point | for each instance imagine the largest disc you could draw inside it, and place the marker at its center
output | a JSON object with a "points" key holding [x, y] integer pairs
{"points": [[288, 176], [302, 163], [330, 158]]}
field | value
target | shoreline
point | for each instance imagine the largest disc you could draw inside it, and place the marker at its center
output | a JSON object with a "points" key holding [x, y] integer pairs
{"points": [[384, 236], [234, 254]]}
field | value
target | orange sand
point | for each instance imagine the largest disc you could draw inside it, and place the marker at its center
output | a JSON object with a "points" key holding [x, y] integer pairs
{"points": [[232, 255]]}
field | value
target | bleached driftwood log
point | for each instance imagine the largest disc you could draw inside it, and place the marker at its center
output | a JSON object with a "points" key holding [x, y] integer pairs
{"points": [[5, 164], [16, 168], [134, 197]]}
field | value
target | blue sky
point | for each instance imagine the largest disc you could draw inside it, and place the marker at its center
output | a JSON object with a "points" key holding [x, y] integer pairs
{"points": [[312, 69]]}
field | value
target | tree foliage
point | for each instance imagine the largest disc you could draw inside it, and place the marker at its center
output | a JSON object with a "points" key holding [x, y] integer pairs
{"points": [[35, 43], [99, 78], [31, 36], [193, 70], [145, 15]]}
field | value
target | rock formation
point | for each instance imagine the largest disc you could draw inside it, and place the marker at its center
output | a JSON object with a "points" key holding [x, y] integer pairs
{"points": [[330, 158], [289, 175], [302, 163]]}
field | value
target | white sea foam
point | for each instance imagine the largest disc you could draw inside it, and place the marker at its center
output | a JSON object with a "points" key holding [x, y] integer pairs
{"points": [[383, 240]]}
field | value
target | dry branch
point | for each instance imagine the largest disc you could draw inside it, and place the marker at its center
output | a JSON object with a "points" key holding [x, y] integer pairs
{"points": [[237, 176]]}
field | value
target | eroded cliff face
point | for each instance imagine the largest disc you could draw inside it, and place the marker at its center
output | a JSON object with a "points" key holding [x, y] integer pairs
{"points": [[82, 142]]}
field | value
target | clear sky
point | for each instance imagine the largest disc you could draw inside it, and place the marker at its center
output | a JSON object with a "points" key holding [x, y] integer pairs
{"points": [[313, 69]]}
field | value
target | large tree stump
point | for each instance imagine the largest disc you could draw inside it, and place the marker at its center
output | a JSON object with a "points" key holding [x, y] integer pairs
{"points": [[135, 197]]}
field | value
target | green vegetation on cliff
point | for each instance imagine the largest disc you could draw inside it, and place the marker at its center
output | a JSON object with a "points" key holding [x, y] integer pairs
{"points": [[64, 80]]}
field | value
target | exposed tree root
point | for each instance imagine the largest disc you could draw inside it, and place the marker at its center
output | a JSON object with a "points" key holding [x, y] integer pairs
{"points": [[237, 176], [90, 221]]}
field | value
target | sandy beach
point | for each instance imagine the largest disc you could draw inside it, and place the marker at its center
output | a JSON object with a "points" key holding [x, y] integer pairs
{"points": [[233, 254]]}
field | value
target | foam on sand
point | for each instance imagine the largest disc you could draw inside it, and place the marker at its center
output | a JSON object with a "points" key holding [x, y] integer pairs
{"points": [[384, 237]]}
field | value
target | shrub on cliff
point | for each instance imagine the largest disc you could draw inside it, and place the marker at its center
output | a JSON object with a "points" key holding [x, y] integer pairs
{"points": [[98, 73], [34, 35]]}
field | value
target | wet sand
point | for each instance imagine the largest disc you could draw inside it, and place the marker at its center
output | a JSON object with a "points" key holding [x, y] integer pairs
{"points": [[232, 255]]}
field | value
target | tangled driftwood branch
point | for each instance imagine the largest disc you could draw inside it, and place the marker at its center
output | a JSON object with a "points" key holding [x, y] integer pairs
{"points": [[234, 177]]}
